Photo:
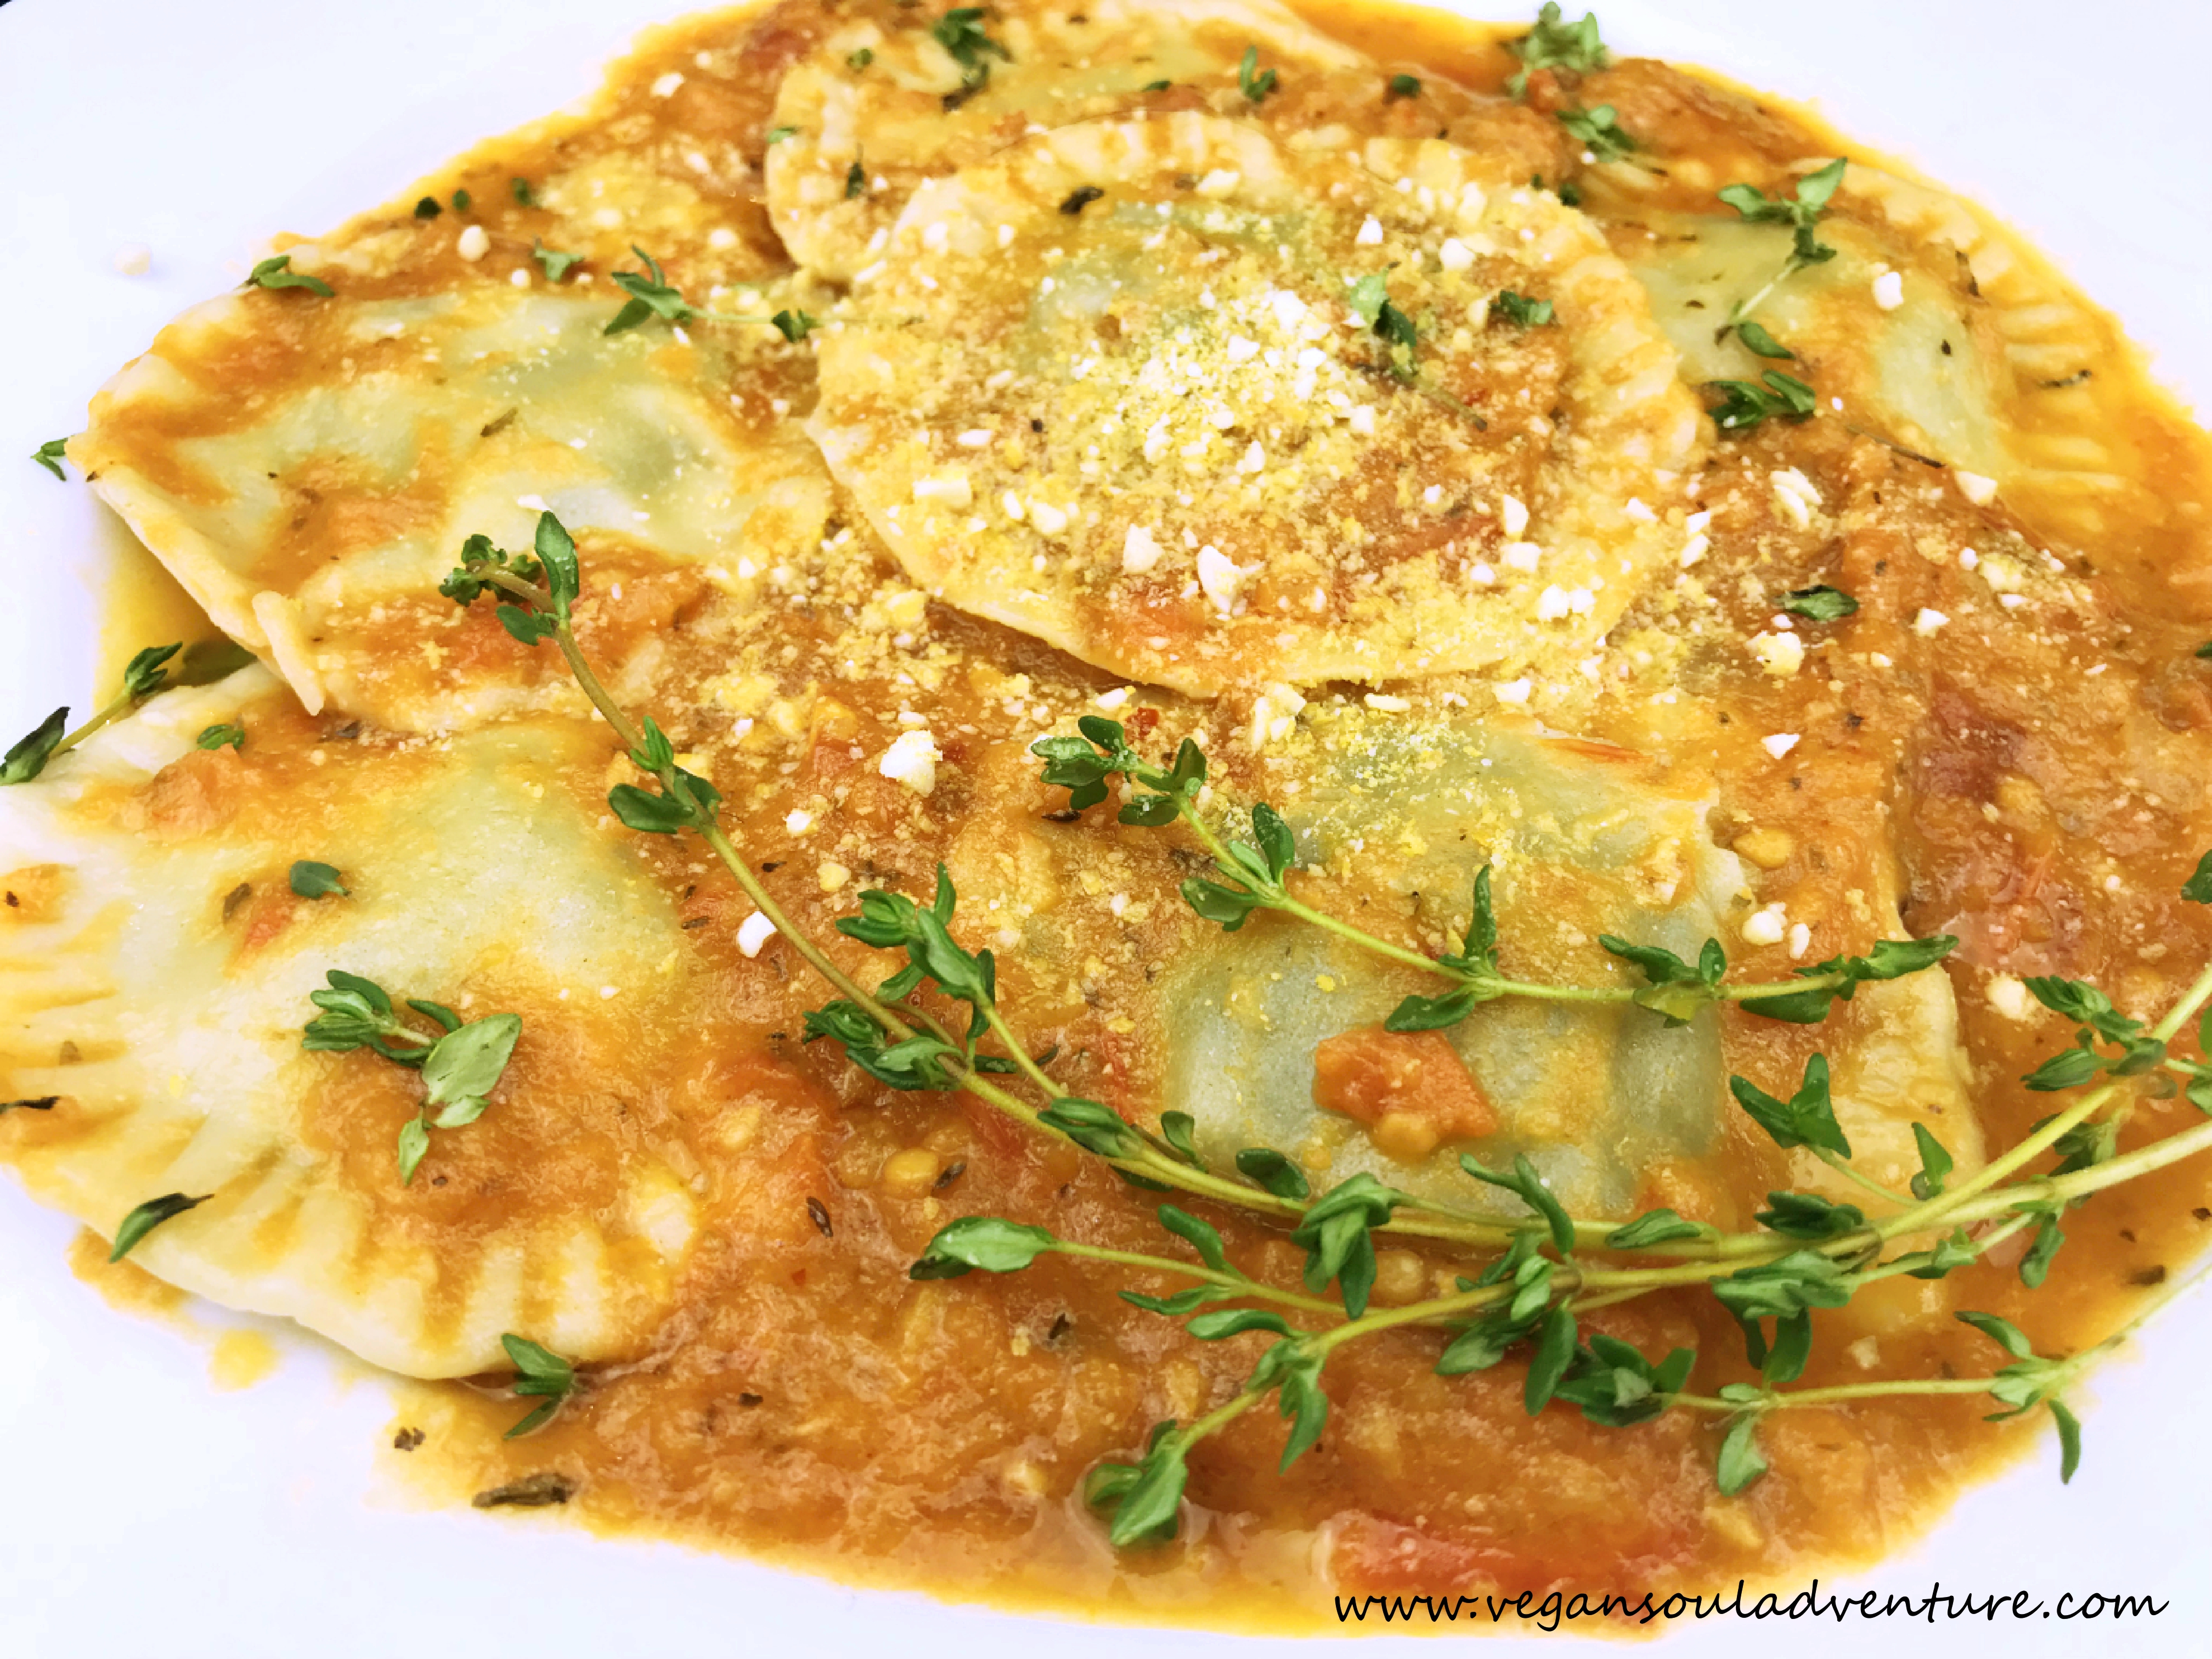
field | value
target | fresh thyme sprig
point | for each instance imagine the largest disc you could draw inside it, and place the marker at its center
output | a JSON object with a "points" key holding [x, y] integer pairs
{"points": [[148, 1216], [461, 1063], [540, 1373], [1556, 44], [277, 272], [1539, 1278], [1254, 83], [1744, 405], [961, 32], [1525, 1300], [1250, 876], [142, 677], [1369, 299], [1599, 132], [1800, 211], [652, 295]]}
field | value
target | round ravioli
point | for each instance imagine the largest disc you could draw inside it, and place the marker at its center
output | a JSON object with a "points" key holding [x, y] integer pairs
{"points": [[157, 956], [1205, 410], [1276, 1036], [1928, 328], [308, 468], [933, 94]]}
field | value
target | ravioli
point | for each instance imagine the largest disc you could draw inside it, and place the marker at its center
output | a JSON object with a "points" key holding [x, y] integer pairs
{"points": [[314, 518], [1583, 839], [157, 984], [884, 97], [1113, 390], [992, 369], [1929, 328]]}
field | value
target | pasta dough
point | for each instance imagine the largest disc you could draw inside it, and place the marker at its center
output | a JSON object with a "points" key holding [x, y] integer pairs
{"points": [[159, 990], [314, 521], [1113, 391]]}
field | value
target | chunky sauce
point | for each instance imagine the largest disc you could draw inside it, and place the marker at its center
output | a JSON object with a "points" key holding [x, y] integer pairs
{"points": [[808, 1404]]}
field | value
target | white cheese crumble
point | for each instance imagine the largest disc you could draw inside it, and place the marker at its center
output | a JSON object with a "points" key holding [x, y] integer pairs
{"points": [[1386, 704], [1794, 497], [2009, 997], [755, 931], [475, 242], [1274, 713], [951, 489], [1975, 488], [666, 85], [1928, 621], [911, 760], [1801, 941], [1512, 690], [1513, 516], [1220, 577], [798, 821], [1888, 289], [1779, 743], [1140, 551], [1049, 520], [1521, 556], [1109, 701], [1371, 233], [1455, 255], [1779, 655], [1766, 926]]}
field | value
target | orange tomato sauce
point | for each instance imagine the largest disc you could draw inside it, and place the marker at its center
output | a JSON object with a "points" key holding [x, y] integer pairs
{"points": [[807, 1403]]}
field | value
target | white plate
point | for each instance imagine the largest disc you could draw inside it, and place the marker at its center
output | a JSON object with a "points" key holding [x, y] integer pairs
{"points": [[141, 1510]]}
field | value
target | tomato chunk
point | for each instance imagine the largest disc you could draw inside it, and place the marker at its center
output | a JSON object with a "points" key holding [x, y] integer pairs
{"points": [[1410, 1088]]}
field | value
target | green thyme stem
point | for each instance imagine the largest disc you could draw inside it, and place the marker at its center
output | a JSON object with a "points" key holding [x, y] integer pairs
{"points": [[2152, 1306], [1790, 267], [2098, 1176], [2191, 999], [564, 636], [1279, 898], [1019, 1051], [122, 705], [1842, 1166], [1951, 1204], [1416, 1312], [1981, 1246], [1230, 1281], [1781, 1398], [1220, 1416]]}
